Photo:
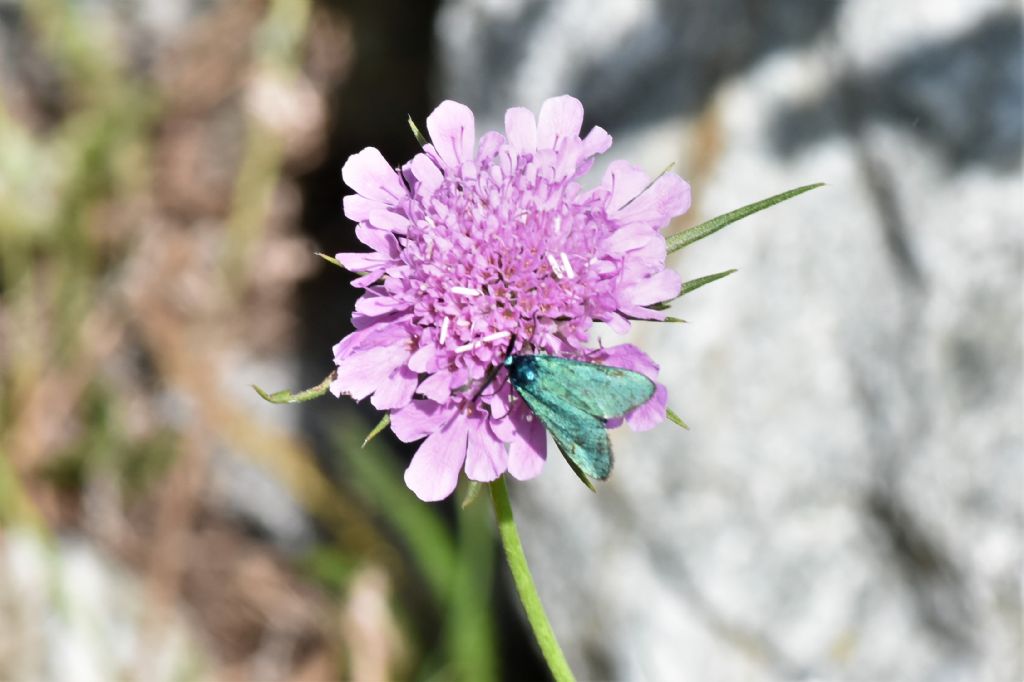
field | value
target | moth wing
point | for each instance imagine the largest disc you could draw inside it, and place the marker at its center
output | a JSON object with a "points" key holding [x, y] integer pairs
{"points": [[580, 436], [599, 390]]}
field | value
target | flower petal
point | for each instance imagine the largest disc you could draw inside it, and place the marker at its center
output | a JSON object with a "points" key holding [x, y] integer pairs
{"points": [[528, 452], [597, 141], [434, 470], [369, 174], [659, 287], [486, 458], [560, 118], [651, 413], [426, 171], [521, 129], [396, 391], [437, 386], [633, 201], [452, 132], [418, 419]]}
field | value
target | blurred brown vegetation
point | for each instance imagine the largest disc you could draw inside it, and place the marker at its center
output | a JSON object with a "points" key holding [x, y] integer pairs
{"points": [[150, 252]]}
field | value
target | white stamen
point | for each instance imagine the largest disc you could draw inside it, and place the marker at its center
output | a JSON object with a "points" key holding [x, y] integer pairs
{"points": [[554, 266], [473, 345], [568, 268], [558, 224], [462, 323], [465, 291], [444, 331], [495, 336]]}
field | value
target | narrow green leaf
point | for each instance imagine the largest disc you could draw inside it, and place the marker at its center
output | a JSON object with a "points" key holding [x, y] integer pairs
{"points": [[330, 259], [687, 237], [416, 133], [300, 397], [656, 306], [470, 627], [378, 479], [694, 284], [472, 492], [381, 425], [675, 419]]}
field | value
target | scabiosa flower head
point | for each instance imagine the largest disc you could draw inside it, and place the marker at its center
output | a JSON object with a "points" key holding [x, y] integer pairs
{"points": [[482, 249]]}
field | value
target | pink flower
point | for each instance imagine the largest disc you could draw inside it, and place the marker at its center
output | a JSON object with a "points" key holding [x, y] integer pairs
{"points": [[479, 246]]}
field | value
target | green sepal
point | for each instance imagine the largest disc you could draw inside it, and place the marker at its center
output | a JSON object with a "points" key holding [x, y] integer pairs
{"points": [[472, 492], [330, 259], [657, 306], [687, 237], [381, 425], [675, 418], [416, 133], [302, 396]]}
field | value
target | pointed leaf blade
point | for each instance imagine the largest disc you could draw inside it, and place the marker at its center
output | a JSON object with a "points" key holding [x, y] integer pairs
{"points": [[687, 237]]}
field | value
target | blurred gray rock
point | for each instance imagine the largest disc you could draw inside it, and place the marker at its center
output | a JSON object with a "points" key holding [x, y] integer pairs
{"points": [[847, 504], [70, 613]]}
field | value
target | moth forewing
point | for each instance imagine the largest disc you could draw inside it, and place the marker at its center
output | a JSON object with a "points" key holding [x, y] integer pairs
{"points": [[599, 390], [580, 437]]}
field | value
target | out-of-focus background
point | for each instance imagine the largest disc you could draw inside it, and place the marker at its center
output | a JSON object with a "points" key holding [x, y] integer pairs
{"points": [[846, 506]]}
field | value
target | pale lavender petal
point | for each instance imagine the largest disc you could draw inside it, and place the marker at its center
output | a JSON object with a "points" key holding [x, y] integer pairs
{"points": [[369, 174], [434, 469], [427, 172], [521, 129], [656, 205], [628, 356], [651, 413], [379, 240], [396, 391], [359, 208], [625, 182], [378, 305], [361, 262], [418, 419], [560, 118], [365, 371], [452, 132], [618, 323], [527, 453], [633, 236], [659, 287], [485, 454], [422, 358], [389, 220], [596, 142], [437, 387], [490, 143]]}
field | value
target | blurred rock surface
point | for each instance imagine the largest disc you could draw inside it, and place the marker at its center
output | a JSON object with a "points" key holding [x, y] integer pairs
{"points": [[848, 502]]}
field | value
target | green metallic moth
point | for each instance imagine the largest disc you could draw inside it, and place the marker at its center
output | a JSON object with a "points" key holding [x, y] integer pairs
{"points": [[574, 400]]}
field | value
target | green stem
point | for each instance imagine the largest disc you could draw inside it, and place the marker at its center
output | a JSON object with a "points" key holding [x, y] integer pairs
{"points": [[524, 584]]}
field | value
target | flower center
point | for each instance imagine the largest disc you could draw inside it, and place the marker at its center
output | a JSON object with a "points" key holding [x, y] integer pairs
{"points": [[497, 252]]}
